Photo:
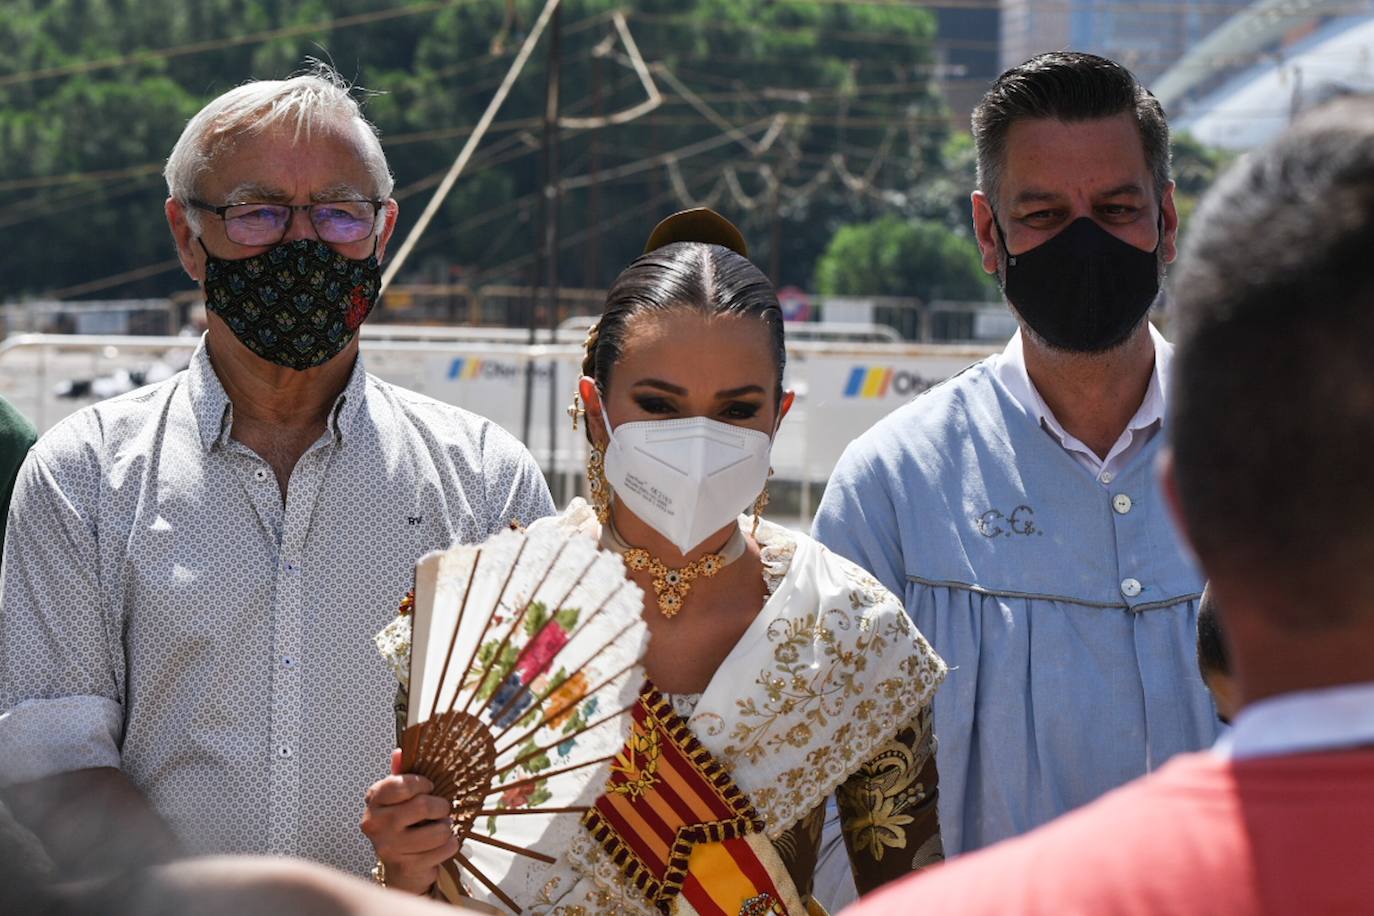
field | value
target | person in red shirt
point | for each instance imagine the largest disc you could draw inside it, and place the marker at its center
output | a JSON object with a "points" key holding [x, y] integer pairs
{"points": [[1273, 423]]}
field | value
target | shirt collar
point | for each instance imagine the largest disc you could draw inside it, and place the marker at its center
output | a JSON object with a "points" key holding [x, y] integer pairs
{"points": [[214, 412], [1310, 720], [349, 403], [209, 403], [1011, 370]]}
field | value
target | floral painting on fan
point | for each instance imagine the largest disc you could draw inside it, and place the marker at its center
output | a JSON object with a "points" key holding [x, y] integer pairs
{"points": [[520, 663]]}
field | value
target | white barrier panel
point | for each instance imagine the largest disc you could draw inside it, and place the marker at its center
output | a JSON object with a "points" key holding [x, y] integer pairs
{"points": [[848, 389], [842, 389]]}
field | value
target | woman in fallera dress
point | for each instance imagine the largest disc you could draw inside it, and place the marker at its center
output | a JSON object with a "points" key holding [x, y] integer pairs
{"points": [[779, 673]]}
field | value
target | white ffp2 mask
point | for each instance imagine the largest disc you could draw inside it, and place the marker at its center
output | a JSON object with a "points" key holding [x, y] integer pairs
{"points": [[686, 478]]}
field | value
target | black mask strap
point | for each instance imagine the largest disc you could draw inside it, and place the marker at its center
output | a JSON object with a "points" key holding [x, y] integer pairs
{"points": [[1001, 237]]}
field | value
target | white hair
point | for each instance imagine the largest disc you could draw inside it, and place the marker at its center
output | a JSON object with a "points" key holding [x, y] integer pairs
{"points": [[314, 100]]}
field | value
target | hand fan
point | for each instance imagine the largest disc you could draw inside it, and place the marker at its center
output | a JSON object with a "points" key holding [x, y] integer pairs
{"points": [[523, 671]]}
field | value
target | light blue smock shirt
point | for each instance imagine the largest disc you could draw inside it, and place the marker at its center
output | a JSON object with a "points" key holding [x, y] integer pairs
{"points": [[1066, 610]]}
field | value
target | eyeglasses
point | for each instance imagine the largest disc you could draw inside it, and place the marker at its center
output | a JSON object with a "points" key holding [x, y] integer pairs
{"points": [[337, 221]]}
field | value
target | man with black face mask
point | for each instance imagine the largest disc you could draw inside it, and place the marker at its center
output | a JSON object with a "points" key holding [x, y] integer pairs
{"points": [[194, 571], [1016, 506]]}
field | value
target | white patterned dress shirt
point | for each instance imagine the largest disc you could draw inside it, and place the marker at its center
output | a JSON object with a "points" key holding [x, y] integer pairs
{"points": [[163, 612]]}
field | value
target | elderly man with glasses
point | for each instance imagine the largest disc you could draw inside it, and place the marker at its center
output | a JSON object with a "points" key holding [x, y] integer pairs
{"points": [[194, 571]]}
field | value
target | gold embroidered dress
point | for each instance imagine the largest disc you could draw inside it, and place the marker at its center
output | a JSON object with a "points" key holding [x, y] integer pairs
{"points": [[719, 810]]}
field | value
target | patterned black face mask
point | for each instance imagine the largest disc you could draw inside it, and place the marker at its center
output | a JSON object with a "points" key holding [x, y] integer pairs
{"points": [[298, 304]]}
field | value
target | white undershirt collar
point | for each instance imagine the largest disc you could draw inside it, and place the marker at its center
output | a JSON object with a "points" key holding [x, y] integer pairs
{"points": [[1333, 718], [1010, 367]]}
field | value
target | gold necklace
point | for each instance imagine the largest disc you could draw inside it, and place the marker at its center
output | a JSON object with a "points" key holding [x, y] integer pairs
{"points": [[672, 585]]}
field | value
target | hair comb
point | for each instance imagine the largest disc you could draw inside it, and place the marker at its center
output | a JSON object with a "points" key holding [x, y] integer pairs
{"points": [[700, 224]]}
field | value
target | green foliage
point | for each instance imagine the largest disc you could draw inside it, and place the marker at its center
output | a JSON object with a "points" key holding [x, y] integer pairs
{"points": [[903, 257], [1195, 167], [535, 617], [497, 673], [852, 80], [535, 760], [538, 614]]}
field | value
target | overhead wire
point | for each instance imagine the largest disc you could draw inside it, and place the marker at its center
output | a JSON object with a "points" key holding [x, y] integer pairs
{"points": [[692, 149], [671, 161], [119, 279], [583, 235], [494, 156], [471, 145], [218, 44], [653, 98], [40, 208]]}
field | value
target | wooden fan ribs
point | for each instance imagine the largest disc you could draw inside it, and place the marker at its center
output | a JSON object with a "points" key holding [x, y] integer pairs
{"points": [[560, 710], [530, 755], [514, 682], [422, 749], [486, 628], [550, 620], [495, 661], [465, 768], [490, 884], [553, 688]]}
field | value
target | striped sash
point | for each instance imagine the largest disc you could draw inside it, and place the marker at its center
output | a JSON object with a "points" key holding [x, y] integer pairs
{"points": [[677, 826]]}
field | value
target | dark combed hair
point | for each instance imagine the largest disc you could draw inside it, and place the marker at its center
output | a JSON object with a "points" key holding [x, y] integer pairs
{"points": [[709, 279], [1273, 392], [1211, 651], [1065, 86]]}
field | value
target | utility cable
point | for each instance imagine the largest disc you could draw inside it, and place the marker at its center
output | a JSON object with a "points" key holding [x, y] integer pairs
{"points": [[684, 152], [653, 97], [128, 276], [473, 139], [200, 47]]}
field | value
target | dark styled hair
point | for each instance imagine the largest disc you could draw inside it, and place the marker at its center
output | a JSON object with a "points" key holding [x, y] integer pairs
{"points": [[1065, 86], [1273, 391], [709, 279], [1211, 651]]}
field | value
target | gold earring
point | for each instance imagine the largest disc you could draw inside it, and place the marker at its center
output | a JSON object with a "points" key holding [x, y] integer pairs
{"points": [[759, 505], [575, 410], [598, 485]]}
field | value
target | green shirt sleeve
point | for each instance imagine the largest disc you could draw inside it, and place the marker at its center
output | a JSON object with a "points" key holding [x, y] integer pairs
{"points": [[17, 435]]}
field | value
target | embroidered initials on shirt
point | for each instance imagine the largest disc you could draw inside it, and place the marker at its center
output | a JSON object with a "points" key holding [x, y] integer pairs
{"points": [[993, 523]]}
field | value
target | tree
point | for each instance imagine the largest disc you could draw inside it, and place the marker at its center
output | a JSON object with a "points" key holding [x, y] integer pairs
{"points": [[1195, 167], [865, 132], [899, 257]]}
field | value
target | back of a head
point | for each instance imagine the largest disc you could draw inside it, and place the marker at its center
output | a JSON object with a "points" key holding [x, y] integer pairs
{"points": [[1065, 86], [1273, 394]]}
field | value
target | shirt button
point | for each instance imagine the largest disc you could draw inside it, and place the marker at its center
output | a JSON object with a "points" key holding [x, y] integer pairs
{"points": [[1130, 587], [288, 661], [1106, 477], [260, 474], [1121, 503], [284, 751]]}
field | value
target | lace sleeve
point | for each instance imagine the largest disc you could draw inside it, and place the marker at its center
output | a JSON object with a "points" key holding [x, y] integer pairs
{"points": [[888, 808]]}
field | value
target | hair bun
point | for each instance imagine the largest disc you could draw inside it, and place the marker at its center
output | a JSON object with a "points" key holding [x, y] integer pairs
{"points": [[700, 224]]}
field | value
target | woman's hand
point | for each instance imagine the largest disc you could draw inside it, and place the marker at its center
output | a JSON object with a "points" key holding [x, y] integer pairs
{"points": [[409, 828]]}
